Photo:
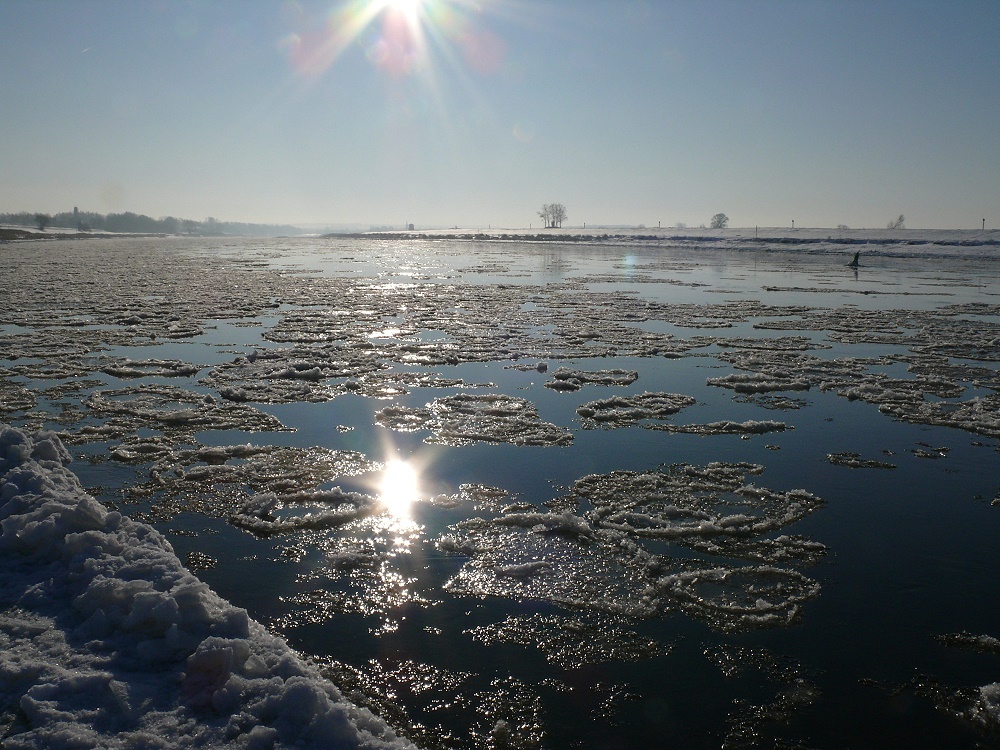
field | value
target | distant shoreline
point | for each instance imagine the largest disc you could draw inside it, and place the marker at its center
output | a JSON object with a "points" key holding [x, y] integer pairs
{"points": [[975, 238], [941, 243]]}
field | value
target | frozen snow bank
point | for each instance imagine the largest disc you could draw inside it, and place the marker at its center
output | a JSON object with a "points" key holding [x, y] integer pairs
{"points": [[107, 641]]}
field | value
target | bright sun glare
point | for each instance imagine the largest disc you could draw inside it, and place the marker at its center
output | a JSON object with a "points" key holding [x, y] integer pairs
{"points": [[399, 487], [397, 36], [404, 6]]}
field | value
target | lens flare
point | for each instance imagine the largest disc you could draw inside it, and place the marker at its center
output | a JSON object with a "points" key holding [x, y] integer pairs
{"points": [[397, 36]]}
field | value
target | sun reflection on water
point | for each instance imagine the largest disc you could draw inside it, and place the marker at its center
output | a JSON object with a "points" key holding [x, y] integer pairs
{"points": [[399, 489]]}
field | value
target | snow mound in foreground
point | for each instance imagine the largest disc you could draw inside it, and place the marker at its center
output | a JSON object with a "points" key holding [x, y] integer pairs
{"points": [[106, 640]]}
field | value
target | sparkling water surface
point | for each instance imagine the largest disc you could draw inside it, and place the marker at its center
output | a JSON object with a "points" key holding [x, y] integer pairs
{"points": [[786, 565]]}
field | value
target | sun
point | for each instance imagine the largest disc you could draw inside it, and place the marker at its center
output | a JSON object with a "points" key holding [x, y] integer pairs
{"points": [[405, 6]]}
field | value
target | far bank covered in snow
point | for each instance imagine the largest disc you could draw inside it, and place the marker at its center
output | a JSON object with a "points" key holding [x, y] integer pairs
{"points": [[963, 243]]}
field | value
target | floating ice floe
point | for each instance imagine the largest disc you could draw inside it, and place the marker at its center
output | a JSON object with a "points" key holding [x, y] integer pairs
{"points": [[687, 502], [223, 481], [759, 382], [980, 705], [162, 368], [623, 411], [725, 427], [107, 641], [568, 379], [330, 509], [292, 375], [463, 419], [598, 560], [794, 692], [180, 412], [854, 461], [480, 496], [14, 397]]}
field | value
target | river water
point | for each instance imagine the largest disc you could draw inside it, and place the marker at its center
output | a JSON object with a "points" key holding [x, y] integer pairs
{"points": [[555, 495]]}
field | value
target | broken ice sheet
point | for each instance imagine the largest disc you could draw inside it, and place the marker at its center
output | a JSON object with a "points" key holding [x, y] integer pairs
{"points": [[854, 461], [178, 412], [738, 599], [572, 642], [220, 481], [623, 411], [464, 418], [568, 379], [687, 502], [597, 560], [750, 724], [441, 709], [517, 562]]}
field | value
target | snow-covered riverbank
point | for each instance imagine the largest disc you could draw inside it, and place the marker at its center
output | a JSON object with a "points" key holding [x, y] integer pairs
{"points": [[106, 640]]}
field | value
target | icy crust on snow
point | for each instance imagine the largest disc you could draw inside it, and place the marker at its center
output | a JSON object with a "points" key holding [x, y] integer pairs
{"points": [[592, 550], [107, 641], [467, 418]]}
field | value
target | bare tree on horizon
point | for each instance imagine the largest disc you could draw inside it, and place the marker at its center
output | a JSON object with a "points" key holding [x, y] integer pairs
{"points": [[553, 214]]}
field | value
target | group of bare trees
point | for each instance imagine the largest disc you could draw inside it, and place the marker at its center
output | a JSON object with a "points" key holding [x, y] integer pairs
{"points": [[553, 214]]}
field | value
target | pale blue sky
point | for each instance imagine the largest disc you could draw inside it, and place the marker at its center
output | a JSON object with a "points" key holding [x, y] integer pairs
{"points": [[626, 112]]}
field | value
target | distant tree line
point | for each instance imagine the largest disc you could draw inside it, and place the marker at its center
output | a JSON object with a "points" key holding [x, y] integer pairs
{"points": [[86, 221]]}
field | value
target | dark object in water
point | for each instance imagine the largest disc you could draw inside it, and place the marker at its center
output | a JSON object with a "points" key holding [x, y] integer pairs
{"points": [[855, 263]]}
